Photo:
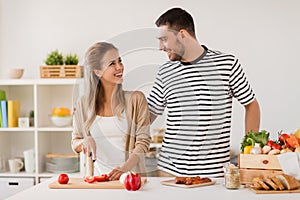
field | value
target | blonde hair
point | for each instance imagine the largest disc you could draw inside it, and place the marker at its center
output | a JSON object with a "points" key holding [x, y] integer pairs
{"points": [[94, 90]]}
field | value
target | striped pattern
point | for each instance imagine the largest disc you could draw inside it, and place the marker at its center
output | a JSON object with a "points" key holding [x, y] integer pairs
{"points": [[198, 97]]}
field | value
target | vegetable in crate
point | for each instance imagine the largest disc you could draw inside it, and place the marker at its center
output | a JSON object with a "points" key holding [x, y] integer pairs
{"points": [[260, 137]]}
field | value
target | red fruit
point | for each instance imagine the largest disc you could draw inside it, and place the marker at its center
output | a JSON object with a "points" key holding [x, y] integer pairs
{"points": [[292, 141], [103, 177], [283, 137], [276, 146], [90, 179], [270, 143], [63, 179]]}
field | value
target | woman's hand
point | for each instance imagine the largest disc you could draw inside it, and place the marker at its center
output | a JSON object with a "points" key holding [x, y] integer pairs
{"points": [[89, 147], [115, 174]]}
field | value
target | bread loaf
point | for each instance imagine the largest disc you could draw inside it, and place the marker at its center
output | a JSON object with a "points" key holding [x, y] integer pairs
{"points": [[289, 182], [279, 182]]}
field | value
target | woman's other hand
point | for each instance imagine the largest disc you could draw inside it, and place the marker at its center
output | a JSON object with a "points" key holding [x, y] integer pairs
{"points": [[115, 174]]}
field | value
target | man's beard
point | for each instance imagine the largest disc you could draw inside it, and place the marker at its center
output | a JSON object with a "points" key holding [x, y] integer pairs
{"points": [[175, 56]]}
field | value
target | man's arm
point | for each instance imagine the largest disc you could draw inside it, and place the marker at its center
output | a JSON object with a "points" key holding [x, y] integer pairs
{"points": [[252, 116]]}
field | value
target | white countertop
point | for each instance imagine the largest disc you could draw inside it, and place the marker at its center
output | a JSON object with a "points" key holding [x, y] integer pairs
{"points": [[152, 190]]}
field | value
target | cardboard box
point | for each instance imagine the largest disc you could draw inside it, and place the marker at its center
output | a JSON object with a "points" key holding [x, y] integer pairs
{"points": [[252, 166]]}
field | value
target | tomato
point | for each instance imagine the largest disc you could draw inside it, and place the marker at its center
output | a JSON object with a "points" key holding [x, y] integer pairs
{"points": [[283, 137], [89, 179], [269, 143], [63, 179], [276, 146], [103, 177]]}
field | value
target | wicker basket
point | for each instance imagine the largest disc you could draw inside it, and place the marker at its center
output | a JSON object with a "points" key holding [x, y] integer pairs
{"points": [[61, 71]]}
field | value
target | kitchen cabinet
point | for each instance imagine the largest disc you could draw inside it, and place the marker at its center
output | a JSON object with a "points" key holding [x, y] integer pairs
{"points": [[10, 186], [41, 96], [153, 189]]}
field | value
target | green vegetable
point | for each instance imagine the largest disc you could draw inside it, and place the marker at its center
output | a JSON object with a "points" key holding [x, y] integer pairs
{"points": [[261, 137]]}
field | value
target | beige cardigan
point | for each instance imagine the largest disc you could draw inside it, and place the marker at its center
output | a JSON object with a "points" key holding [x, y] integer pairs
{"points": [[138, 131]]}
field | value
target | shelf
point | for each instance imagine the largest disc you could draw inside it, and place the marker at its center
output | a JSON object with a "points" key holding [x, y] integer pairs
{"points": [[50, 128], [48, 174], [50, 81], [55, 129], [19, 174], [41, 96], [17, 129]]}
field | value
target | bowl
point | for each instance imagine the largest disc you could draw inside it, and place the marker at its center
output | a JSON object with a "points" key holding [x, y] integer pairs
{"points": [[61, 121], [16, 73]]}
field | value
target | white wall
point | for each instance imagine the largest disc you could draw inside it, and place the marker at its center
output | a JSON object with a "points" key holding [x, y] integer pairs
{"points": [[263, 34]]}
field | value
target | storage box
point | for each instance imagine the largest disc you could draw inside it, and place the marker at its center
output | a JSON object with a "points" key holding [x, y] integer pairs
{"points": [[10, 186], [61, 71], [252, 166]]}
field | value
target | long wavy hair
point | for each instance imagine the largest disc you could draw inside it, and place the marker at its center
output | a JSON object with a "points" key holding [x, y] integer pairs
{"points": [[94, 89]]}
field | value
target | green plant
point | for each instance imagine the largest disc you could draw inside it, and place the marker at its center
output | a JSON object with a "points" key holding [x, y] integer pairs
{"points": [[71, 59], [54, 58], [31, 113]]}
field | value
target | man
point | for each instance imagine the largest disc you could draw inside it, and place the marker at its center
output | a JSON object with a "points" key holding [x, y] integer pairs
{"points": [[196, 86]]}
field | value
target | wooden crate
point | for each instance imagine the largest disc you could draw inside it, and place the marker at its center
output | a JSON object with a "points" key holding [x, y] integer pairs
{"points": [[252, 166], [61, 71]]}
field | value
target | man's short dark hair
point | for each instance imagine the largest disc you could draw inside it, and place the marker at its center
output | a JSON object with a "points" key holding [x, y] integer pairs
{"points": [[177, 19]]}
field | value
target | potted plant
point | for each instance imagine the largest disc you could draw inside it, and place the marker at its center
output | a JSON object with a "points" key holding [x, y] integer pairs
{"points": [[54, 58], [58, 66], [31, 118], [71, 59]]}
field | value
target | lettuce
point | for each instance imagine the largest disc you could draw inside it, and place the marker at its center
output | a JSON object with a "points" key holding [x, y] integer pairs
{"points": [[261, 137]]}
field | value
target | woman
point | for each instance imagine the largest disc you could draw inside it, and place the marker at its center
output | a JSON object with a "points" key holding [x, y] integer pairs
{"points": [[110, 124]]}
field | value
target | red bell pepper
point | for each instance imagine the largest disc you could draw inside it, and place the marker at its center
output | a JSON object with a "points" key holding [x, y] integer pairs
{"points": [[132, 181]]}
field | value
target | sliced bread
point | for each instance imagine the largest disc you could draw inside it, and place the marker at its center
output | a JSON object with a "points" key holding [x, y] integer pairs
{"points": [[271, 184], [278, 183], [289, 182]]}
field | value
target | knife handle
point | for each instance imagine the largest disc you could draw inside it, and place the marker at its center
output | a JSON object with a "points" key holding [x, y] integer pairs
{"points": [[89, 166]]}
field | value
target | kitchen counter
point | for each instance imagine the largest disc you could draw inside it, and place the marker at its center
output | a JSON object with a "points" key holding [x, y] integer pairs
{"points": [[153, 189]]}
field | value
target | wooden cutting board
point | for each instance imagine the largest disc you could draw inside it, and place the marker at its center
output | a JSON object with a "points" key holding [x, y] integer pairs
{"points": [[274, 191], [171, 183], [79, 183]]}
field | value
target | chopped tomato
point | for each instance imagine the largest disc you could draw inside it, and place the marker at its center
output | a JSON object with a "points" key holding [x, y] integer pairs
{"points": [[90, 179], [103, 177]]}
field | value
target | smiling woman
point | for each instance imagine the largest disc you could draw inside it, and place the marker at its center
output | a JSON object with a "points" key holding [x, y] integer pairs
{"points": [[110, 124]]}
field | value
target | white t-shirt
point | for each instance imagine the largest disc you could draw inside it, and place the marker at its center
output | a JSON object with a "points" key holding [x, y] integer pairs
{"points": [[109, 134]]}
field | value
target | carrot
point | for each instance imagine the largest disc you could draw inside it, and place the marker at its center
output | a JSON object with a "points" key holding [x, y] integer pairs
{"points": [[292, 141]]}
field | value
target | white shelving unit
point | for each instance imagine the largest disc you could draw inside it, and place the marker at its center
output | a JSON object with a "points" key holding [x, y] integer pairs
{"points": [[40, 95]]}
